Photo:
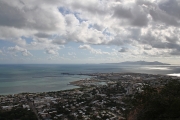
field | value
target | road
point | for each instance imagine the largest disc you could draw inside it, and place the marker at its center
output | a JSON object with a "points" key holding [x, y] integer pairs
{"points": [[33, 109]]}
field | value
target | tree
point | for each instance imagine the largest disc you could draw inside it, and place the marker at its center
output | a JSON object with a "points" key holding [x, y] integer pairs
{"points": [[154, 105], [17, 113]]}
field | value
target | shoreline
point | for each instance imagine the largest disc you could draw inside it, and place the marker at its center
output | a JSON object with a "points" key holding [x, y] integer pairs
{"points": [[95, 79]]}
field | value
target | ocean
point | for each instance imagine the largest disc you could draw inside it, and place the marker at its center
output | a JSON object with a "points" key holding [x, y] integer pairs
{"points": [[48, 77]]}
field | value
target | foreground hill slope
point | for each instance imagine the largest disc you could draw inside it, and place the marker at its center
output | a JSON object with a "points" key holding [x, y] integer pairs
{"points": [[157, 104]]}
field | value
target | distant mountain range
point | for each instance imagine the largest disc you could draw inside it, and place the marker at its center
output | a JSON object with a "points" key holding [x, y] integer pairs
{"points": [[140, 63]]}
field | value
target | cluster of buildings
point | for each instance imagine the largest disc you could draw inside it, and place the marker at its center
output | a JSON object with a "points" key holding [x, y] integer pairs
{"points": [[90, 101], [7, 102]]}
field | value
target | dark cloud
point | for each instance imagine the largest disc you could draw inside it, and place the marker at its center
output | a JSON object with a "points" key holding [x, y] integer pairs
{"points": [[175, 52], [119, 40], [164, 12], [97, 27], [121, 12], [145, 2], [140, 20], [171, 7], [139, 17], [155, 42], [147, 48], [42, 35], [92, 8], [123, 49], [135, 15], [28, 17], [11, 16], [59, 41], [172, 39], [161, 16]]}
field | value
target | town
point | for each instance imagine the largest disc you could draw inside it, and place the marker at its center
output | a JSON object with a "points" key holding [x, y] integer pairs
{"points": [[103, 96]]}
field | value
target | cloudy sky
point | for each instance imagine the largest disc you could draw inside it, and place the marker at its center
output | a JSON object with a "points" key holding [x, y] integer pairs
{"points": [[89, 31]]}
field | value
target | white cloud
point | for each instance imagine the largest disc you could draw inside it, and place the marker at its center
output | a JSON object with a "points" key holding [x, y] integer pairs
{"points": [[92, 50], [53, 50], [49, 24], [17, 49]]}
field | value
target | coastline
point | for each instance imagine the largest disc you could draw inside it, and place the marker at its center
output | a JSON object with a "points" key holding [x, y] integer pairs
{"points": [[90, 99], [40, 78], [92, 79], [70, 85]]}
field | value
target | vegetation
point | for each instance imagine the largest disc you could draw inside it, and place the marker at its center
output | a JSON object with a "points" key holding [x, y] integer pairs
{"points": [[157, 104], [17, 114]]}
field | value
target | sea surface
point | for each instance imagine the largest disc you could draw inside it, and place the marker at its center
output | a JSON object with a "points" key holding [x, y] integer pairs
{"points": [[43, 78]]}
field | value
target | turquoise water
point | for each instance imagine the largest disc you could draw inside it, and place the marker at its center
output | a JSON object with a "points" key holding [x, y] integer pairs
{"points": [[43, 78]]}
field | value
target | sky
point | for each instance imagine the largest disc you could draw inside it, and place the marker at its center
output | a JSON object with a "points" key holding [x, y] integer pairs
{"points": [[89, 31]]}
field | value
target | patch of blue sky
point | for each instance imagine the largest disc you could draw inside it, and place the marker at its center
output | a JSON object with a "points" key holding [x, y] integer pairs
{"points": [[28, 39], [106, 32], [75, 47], [72, 49], [38, 53], [55, 36], [90, 26], [4, 43], [79, 18], [64, 10], [19, 54], [105, 48]]}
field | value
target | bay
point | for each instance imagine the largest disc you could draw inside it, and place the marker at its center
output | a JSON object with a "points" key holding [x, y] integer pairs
{"points": [[49, 77]]}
